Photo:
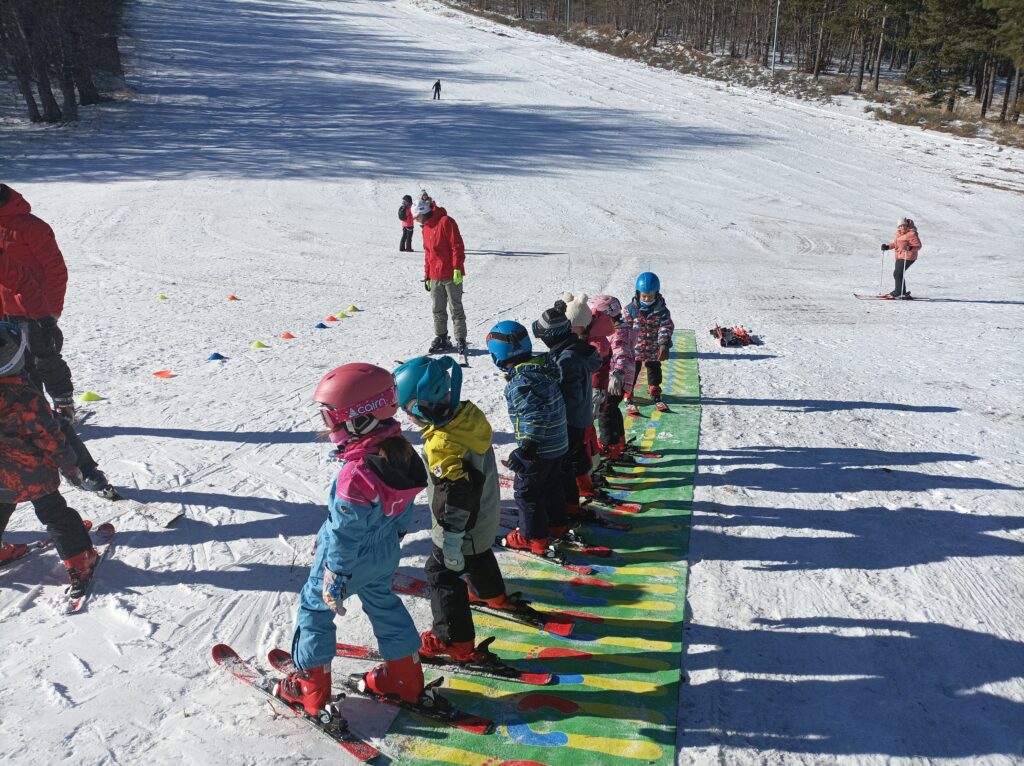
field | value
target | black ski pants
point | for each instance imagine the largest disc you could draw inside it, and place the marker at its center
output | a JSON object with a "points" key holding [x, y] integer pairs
{"points": [[898, 274], [612, 428], [653, 372], [449, 598], [44, 365], [540, 497], [405, 246], [575, 463], [63, 523]]}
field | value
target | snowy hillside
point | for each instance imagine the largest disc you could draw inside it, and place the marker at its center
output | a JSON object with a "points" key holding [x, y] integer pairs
{"points": [[858, 527]]}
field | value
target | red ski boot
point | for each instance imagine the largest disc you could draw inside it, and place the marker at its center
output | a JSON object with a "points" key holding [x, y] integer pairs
{"points": [[81, 566], [456, 651], [398, 678], [585, 486], [631, 409], [309, 688], [11, 551], [515, 539]]}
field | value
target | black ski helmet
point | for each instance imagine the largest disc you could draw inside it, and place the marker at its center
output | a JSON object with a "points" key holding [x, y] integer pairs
{"points": [[12, 349]]}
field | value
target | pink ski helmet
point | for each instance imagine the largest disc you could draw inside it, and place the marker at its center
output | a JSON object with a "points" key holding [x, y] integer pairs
{"points": [[606, 304], [358, 395]]}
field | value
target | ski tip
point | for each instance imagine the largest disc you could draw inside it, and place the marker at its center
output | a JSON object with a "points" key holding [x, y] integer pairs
{"points": [[562, 629], [475, 724], [223, 652], [538, 679]]}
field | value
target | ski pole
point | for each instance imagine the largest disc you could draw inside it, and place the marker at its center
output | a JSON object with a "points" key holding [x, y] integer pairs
{"points": [[881, 275]]}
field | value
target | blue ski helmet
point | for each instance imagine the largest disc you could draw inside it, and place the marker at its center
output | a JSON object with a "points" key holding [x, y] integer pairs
{"points": [[429, 389], [12, 348], [648, 282], [509, 343]]}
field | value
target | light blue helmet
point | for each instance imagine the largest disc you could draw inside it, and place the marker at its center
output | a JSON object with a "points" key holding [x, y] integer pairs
{"points": [[509, 343], [429, 389], [648, 282]]}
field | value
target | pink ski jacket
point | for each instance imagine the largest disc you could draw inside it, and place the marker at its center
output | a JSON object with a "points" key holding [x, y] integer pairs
{"points": [[906, 244]]}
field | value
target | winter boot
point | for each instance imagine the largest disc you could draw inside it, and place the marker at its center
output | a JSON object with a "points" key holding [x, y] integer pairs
{"points": [[461, 346], [439, 344], [457, 651], [95, 481], [398, 678], [11, 551], [631, 409], [81, 566], [515, 539], [309, 688], [585, 485], [655, 392]]}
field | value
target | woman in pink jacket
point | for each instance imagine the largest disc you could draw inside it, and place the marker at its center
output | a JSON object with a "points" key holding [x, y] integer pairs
{"points": [[906, 245], [621, 375]]}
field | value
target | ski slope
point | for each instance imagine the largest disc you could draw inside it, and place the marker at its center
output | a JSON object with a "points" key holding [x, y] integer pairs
{"points": [[858, 531]]}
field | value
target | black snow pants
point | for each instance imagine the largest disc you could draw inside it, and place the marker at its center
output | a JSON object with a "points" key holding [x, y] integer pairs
{"points": [[63, 523], [449, 599]]}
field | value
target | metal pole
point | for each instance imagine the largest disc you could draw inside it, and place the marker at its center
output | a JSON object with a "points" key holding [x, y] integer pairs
{"points": [[775, 42], [881, 275]]}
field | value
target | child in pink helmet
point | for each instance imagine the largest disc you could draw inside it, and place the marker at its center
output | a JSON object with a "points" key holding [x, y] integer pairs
{"points": [[621, 375]]}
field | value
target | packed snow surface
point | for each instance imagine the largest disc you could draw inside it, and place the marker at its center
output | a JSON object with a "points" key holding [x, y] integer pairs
{"points": [[856, 581]]}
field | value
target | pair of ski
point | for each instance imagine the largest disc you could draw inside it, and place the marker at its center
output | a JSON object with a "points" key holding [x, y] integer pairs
{"points": [[558, 623], [463, 356], [330, 722], [885, 297]]}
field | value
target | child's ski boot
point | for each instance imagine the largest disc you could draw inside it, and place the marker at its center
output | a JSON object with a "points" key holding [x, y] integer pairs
{"points": [[309, 688]]}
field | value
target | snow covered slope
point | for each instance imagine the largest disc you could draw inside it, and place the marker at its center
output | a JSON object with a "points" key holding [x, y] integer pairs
{"points": [[857, 579]]}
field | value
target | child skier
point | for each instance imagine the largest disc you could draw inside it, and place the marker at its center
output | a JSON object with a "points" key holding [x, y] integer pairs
{"points": [[357, 548], [621, 374], [648, 315], [405, 216], [34, 456], [906, 244], [562, 329], [537, 411], [465, 505]]}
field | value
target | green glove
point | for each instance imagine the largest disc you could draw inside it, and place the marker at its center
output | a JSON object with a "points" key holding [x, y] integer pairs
{"points": [[426, 285], [457, 277]]}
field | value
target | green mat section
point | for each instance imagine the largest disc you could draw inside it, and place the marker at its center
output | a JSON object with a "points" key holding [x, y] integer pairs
{"points": [[618, 688]]}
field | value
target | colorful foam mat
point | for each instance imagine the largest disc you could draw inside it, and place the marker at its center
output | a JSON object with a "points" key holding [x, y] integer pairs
{"points": [[619, 671]]}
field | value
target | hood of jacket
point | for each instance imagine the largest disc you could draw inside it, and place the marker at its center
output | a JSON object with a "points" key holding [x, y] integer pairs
{"points": [[445, 445], [15, 204]]}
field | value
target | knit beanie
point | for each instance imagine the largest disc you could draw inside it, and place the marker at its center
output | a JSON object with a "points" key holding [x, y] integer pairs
{"points": [[552, 325], [576, 309]]}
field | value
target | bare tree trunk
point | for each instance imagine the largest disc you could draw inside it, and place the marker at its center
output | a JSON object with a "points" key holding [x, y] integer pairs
{"points": [[863, 62], [990, 88], [878, 55], [821, 36]]}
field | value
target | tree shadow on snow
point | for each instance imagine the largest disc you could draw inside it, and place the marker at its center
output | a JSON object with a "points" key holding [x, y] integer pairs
{"points": [[309, 92], [91, 431], [906, 689]]}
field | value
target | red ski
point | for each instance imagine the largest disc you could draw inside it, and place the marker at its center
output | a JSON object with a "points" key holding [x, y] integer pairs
{"points": [[330, 723]]}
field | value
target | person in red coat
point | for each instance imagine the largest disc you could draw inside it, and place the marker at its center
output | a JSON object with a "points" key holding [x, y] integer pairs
{"points": [[906, 244], [34, 455], [30, 242], [33, 281], [444, 263]]}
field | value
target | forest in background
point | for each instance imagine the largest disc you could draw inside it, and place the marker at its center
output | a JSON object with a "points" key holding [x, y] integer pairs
{"points": [[946, 50], [65, 47]]}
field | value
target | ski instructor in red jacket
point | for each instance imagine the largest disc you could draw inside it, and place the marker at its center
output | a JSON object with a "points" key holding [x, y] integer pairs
{"points": [[444, 261]]}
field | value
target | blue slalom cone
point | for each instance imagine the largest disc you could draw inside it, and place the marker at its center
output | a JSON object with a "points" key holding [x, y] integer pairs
{"points": [[215, 357], [321, 326]]}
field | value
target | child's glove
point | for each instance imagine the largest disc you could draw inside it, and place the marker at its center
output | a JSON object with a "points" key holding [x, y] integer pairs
{"points": [[452, 550], [884, 248], [662, 353], [457, 276], [617, 383], [522, 456], [426, 285], [334, 591]]}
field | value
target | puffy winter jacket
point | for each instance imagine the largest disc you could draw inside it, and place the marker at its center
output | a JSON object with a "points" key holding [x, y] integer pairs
{"points": [[33, 451], [367, 507], [601, 328], [653, 326], [443, 250], [29, 241], [906, 244], [536, 406], [463, 491], [624, 341], [405, 216], [17, 278], [577, 361]]}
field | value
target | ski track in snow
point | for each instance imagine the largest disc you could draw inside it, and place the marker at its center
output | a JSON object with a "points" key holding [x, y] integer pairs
{"points": [[858, 529]]}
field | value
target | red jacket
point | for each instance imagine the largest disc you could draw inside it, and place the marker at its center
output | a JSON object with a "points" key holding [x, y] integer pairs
{"points": [[443, 251], [29, 241], [906, 244], [407, 220], [33, 447], [16, 277]]}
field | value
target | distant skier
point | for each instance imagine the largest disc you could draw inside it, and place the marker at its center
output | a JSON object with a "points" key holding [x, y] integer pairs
{"points": [[437, 91], [357, 547], [405, 216], [648, 315], [444, 263], [34, 456], [906, 244]]}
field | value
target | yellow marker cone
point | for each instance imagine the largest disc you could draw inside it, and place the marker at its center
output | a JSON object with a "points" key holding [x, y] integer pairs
{"points": [[353, 308], [161, 297], [259, 344], [90, 396], [341, 315]]}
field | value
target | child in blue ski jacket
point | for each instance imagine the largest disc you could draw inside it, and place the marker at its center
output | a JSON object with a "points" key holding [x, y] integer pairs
{"points": [[357, 547], [537, 411]]}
